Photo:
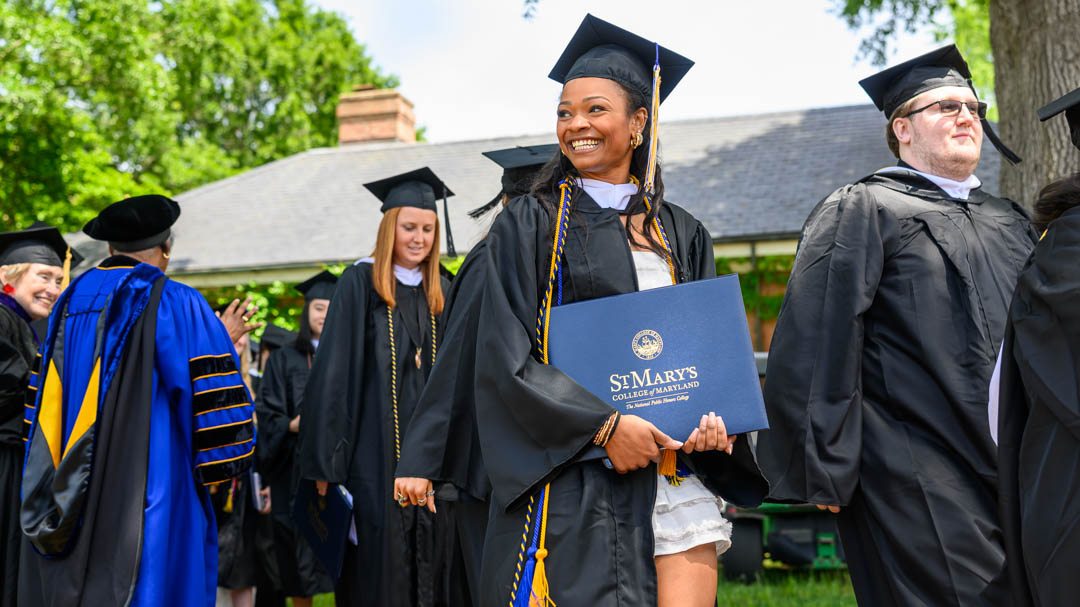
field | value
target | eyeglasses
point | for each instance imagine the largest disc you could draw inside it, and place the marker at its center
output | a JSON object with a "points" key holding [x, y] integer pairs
{"points": [[951, 107]]}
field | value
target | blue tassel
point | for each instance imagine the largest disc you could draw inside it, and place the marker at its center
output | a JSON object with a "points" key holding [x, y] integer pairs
{"points": [[524, 591], [524, 595]]}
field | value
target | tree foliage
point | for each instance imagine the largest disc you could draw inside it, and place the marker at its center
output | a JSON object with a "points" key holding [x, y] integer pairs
{"points": [[965, 22], [105, 98]]}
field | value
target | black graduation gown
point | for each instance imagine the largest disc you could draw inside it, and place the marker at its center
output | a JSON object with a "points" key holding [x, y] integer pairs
{"points": [[348, 437], [234, 512], [300, 573], [17, 354], [1039, 422], [441, 443], [535, 424], [877, 383], [267, 579]]}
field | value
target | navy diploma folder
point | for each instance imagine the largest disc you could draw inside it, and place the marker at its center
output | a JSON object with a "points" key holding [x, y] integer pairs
{"points": [[324, 522], [669, 355]]}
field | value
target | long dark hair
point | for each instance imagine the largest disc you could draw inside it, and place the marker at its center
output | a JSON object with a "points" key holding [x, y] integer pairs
{"points": [[303, 340], [545, 187], [1056, 198]]}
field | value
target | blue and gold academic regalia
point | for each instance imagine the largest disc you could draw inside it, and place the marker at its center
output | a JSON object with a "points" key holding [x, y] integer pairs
{"points": [[138, 406]]}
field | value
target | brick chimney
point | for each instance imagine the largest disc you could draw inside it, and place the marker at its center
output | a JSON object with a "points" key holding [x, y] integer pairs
{"points": [[371, 114]]}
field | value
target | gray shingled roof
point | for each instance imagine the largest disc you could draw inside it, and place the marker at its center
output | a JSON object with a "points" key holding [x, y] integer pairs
{"points": [[746, 177]]}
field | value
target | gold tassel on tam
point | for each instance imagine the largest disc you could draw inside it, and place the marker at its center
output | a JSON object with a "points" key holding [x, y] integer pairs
{"points": [[67, 270], [654, 132]]}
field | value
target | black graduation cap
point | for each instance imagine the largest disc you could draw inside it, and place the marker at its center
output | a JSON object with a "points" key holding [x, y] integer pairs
{"points": [[38, 244], [420, 189], [602, 50], [76, 257], [519, 165], [1070, 104], [319, 286], [895, 86], [275, 337], [134, 224]]}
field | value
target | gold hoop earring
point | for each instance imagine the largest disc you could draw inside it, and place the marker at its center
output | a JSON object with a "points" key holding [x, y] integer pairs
{"points": [[636, 139], [165, 255]]}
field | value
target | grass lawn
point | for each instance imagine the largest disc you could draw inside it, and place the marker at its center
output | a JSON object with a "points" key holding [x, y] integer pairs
{"points": [[783, 588], [779, 588]]}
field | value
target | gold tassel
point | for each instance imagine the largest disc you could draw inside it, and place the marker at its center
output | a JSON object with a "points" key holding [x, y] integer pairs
{"points": [[667, 462], [67, 270], [541, 592], [654, 132], [228, 501]]}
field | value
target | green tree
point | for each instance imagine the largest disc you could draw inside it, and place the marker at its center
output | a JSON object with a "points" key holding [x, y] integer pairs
{"points": [[104, 98], [967, 22], [1006, 44]]}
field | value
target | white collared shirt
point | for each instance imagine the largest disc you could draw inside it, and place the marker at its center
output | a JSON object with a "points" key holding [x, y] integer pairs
{"points": [[956, 189], [406, 276], [609, 195]]}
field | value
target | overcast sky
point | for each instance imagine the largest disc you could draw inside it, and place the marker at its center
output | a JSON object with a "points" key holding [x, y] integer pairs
{"points": [[476, 68]]}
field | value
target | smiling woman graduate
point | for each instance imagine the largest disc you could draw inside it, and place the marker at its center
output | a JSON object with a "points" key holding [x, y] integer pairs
{"points": [[31, 272], [564, 528], [380, 341]]}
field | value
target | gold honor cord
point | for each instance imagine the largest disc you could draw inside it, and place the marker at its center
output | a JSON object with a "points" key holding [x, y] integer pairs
{"points": [[393, 375], [523, 550], [659, 227]]}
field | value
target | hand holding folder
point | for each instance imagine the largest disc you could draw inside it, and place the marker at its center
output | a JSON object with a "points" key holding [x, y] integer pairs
{"points": [[325, 521]]}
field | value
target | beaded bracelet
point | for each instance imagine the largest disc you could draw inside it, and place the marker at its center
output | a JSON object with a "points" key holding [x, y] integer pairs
{"points": [[605, 432]]}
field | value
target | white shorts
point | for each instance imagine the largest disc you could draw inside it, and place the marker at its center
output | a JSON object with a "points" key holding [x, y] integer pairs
{"points": [[686, 516]]}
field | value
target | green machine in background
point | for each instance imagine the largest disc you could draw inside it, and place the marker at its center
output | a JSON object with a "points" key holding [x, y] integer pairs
{"points": [[792, 535]]}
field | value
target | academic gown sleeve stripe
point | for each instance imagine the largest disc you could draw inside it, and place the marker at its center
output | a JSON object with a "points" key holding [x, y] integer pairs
{"points": [[224, 436]]}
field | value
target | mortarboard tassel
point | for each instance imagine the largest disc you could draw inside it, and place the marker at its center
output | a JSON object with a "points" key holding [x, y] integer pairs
{"points": [[999, 144], [654, 132], [669, 467], [67, 270], [478, 212], [667, 462], [450, 251]]}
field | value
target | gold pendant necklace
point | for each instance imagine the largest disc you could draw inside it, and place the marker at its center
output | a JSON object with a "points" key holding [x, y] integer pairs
{"points": [[418, 358]]}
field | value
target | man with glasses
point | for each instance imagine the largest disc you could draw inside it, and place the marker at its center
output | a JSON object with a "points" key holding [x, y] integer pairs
{"points": [[885, 345]]}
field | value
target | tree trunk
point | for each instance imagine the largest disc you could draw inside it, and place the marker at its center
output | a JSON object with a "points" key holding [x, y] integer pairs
{"points": [[1036, 60]]}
